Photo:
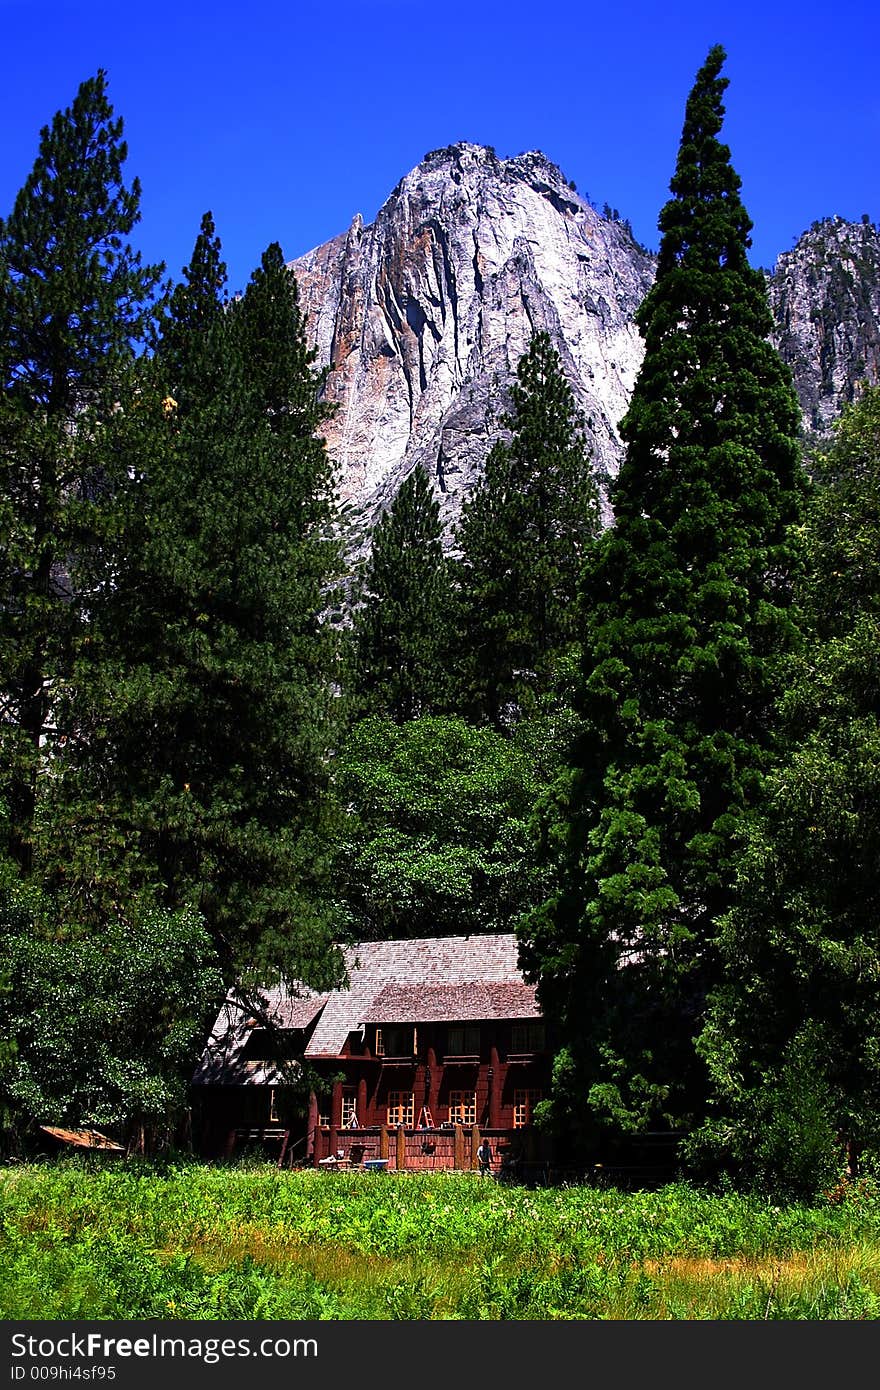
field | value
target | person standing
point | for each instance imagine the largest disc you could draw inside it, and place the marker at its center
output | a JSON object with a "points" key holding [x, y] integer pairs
{"points": [[484, 1157]]}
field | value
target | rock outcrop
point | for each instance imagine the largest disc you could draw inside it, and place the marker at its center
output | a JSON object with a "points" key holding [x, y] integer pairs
{"points": [[421, 317], [825, 297]]}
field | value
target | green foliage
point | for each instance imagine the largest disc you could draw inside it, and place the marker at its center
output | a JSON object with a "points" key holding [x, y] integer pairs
{"points": [[201, 700], [184, 1242], [685, 612], [843, 563], [165, 679], [401, 637], [794, 1019], [106, 1026], [437, 840], [75, 301], [75, 296], [522, 537]]}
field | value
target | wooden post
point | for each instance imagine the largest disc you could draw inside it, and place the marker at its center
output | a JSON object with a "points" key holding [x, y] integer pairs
{"points": [[475, 1144], [312, 1129], [401, 1148], [383, 1141], [494, 1078], [458, 1133], [336, 1108]]}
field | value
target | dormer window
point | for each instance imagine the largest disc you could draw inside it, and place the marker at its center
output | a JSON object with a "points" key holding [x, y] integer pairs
{"points": [[396, 1041]]}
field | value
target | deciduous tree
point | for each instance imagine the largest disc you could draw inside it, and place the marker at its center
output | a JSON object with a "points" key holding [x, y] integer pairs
{"points": [[436, 840]]}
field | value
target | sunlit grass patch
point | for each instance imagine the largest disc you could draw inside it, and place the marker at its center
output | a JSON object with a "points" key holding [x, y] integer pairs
{"points": [[819, 1283], [193, 1241]]}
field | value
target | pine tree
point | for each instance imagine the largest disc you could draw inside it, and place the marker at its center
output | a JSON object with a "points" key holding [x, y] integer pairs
{"points": [[75, 301], [522, 537], [206, 688], [792, 1038], [190, 345], [686, 606], [400, 631]]}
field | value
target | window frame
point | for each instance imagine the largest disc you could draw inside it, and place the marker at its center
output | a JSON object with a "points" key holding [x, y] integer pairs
{"points": [[525, 1098], [402, 1103], [397, 1032], [349, 1106], [466, 1105], [467, 1033], [528, 1036]]}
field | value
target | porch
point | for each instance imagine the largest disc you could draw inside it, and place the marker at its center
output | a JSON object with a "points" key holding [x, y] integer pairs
{"points": [[449, 1146]]}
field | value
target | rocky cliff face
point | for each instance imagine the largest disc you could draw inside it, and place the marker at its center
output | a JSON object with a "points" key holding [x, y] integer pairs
{"points": [[421, 317], [825, 296]]}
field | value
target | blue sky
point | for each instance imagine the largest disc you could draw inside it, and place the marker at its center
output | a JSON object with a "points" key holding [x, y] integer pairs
{"points": [[286, 120]]}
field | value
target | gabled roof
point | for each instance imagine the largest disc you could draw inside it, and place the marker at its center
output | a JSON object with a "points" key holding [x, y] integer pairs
{"points": [[456, 979], [224, 1060], [420, 967]]}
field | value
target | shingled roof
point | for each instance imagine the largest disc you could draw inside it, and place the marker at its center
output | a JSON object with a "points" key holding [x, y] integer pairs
{"points": [[430, 967], [429, 979], [225, 1061], [470, 1002]]}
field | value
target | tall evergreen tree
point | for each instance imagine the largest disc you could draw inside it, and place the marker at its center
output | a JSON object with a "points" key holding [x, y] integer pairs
{"points": [[190, 345], [686, 606], [401, 631], [75, 301], [522, 537], [792, 1038], [205, 690]]}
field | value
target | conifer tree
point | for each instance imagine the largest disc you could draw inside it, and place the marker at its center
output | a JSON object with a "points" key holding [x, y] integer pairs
{"points": [[792, 1037], [205, 692], [190, 345], [686, 606], [75, 301], [400, 632], [522, 537]]}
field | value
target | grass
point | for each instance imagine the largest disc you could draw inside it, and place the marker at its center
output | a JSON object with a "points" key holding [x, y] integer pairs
{"points": [[190, 1241]]}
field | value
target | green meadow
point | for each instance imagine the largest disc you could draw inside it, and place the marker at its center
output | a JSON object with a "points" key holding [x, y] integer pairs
{"points": [[188, 1241]]}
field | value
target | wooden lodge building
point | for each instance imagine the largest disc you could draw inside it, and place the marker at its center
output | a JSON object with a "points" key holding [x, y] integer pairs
{"points": [[434, 1043]]}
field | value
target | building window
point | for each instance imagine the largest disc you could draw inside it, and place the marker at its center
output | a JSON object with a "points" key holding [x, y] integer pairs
{"points": [[273, 1106], [463, 1107], [324, 1120], [396, 1042], [524, 1103], [527, 1037], [349, 1107], [463, 1040], [401, 1109]]}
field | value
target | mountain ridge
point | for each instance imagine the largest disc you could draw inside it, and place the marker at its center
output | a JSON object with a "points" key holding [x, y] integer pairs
{"points": [[420, 317]]}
